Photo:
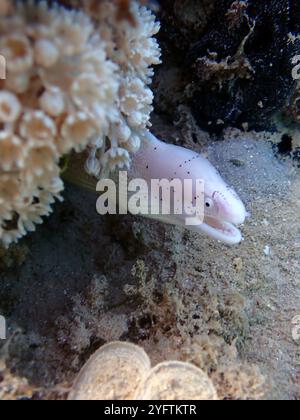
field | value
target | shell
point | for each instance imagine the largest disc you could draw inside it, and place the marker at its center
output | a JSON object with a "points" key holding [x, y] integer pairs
{"points": [[113, 373], [176, 381]]}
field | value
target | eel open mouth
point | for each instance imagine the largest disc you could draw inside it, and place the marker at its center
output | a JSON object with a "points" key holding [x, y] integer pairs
{"points": [[217, 229], [221, 230]]}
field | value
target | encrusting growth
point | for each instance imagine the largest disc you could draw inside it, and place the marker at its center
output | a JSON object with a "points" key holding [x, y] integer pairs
{"points": [[76, 80]]}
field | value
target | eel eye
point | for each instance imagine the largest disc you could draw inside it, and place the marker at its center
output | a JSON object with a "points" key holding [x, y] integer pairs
{"points": [[209, 203]]}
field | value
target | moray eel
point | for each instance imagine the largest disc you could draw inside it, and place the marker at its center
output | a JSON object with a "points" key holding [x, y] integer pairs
{"points": [[223, 209]]}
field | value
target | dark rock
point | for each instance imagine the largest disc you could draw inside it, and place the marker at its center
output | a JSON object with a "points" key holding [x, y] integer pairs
{"points": [[242, 65], [237, 62]]}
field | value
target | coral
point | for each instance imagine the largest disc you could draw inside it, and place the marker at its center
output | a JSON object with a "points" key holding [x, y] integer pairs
{"points": [[74, 81], [122, 11], [134, 50]]}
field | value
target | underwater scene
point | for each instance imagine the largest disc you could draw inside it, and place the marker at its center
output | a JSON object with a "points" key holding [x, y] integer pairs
{"points": [[150, 202]]}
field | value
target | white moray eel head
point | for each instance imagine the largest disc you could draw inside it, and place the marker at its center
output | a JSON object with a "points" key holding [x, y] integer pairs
{"points": [[223, 209]]}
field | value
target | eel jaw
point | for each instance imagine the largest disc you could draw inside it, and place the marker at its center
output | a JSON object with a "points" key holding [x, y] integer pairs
{"points": [[221, 230]]}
